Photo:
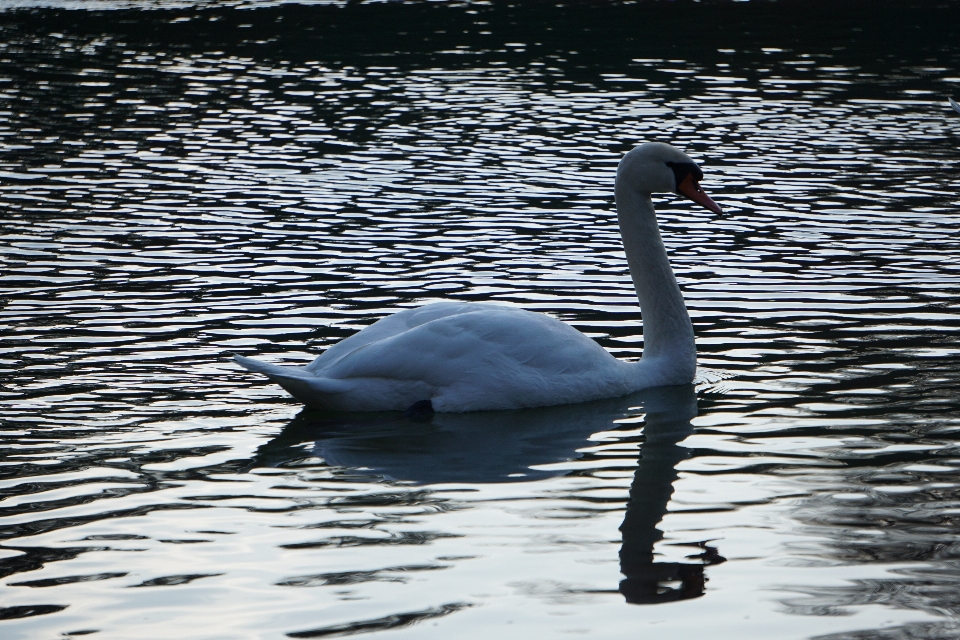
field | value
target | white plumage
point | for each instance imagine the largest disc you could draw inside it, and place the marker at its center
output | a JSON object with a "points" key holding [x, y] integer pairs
{"points": [[464, 356]]}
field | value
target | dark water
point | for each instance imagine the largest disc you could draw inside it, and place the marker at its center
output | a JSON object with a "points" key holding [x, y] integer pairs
{"points": [[188, 182]]}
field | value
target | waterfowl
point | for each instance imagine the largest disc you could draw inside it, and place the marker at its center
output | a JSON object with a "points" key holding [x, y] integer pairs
{"points": [[463, 356]]}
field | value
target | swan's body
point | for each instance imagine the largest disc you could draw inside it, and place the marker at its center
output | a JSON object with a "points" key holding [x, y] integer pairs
{"points": [[463, 356]]}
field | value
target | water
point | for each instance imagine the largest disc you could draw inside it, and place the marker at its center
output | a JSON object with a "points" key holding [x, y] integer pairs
{"points": [[188, 182]]}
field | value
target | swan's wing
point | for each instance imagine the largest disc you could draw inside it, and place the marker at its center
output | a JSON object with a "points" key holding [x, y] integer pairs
{"points": [[485, 347], [392, 325], [954, 104]]}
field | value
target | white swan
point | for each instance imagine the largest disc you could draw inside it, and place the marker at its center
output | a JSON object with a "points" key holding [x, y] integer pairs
{"points": [[463, 356]]}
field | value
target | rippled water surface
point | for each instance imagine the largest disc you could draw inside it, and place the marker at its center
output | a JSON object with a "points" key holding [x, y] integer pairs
{"points": [[182, 182]]}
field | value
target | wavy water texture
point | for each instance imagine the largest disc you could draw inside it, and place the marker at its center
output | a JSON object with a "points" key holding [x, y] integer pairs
{"points": [[185, 183]]}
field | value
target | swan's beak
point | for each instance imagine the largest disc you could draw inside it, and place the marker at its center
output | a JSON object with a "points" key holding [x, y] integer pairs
{"points": [[692, 190]]}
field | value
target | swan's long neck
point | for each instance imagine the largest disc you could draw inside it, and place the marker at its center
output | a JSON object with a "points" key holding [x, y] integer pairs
{"points": [[667, 331]]}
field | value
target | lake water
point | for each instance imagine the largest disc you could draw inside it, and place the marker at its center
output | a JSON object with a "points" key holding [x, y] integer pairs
{"points": [[180, 182]]}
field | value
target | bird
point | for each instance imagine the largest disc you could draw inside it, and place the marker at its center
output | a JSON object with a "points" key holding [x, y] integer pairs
{"points": [[455, 356], [954, 104]]}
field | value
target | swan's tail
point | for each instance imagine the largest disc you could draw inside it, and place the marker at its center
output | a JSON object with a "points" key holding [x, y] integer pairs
{"points": [[297, 381]]}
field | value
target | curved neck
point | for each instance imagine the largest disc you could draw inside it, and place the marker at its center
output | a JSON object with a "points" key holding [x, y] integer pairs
{"points": [[667, 331]]}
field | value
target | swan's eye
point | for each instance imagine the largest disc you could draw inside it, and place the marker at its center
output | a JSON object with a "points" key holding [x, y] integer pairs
{"points": [[683, 169]]}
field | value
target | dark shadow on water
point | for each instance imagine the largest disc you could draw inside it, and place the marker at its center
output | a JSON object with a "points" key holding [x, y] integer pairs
{"points": [[514, 446]]}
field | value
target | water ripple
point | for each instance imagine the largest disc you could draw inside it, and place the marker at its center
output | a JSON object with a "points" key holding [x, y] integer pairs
{"points": [[187, 180]]}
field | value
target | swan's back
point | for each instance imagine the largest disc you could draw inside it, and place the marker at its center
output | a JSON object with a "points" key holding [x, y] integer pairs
{"points": [[390, 326]]}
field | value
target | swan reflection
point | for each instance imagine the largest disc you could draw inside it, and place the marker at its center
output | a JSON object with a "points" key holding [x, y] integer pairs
{"points": [[512, 446]]}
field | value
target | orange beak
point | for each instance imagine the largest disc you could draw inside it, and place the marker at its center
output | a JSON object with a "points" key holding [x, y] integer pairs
{"points": [[692, 190]]}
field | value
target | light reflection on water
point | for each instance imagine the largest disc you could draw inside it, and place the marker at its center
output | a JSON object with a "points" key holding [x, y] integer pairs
{"points": [[177, 186]]}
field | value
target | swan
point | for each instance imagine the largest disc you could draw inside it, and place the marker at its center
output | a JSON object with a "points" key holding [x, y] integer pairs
{"points": [[468, 356], [954, 104]]}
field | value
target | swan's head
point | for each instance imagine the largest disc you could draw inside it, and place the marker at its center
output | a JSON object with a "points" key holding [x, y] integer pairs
{"points": [[655, 167]]}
